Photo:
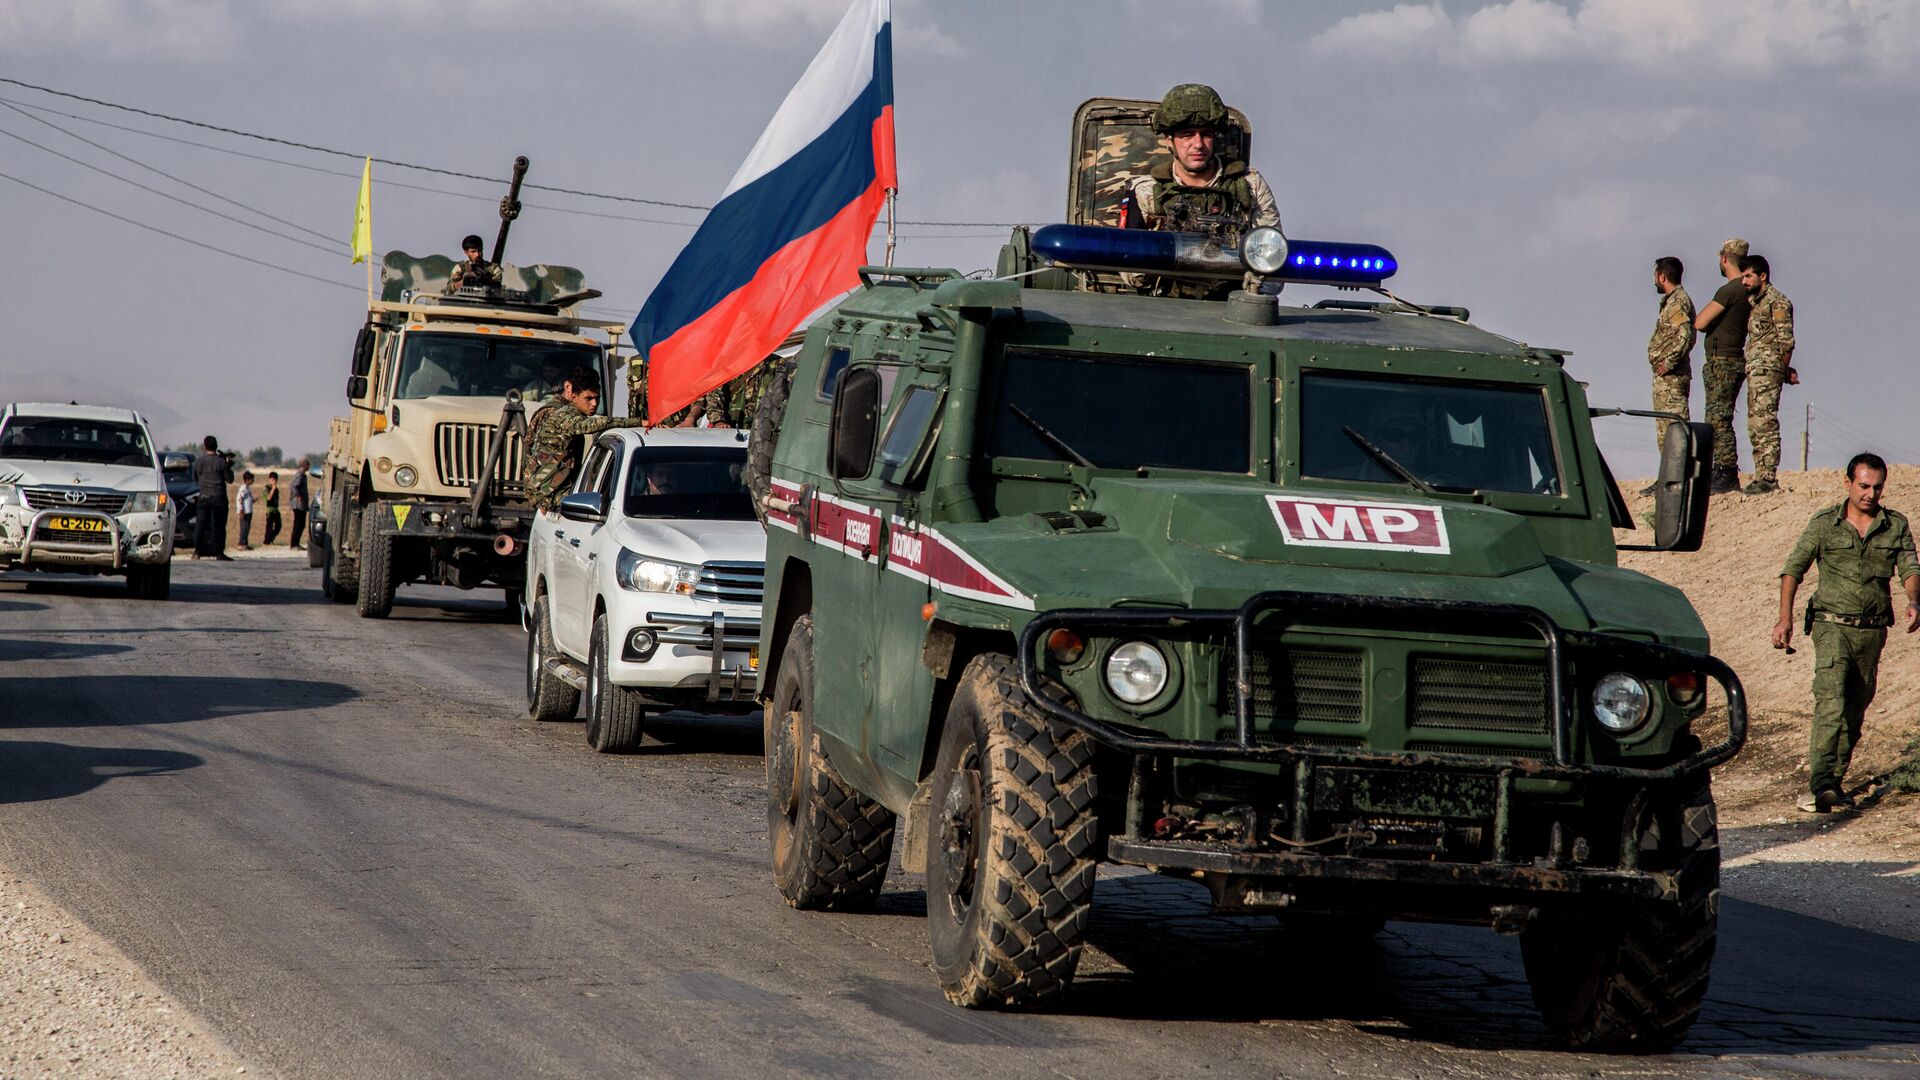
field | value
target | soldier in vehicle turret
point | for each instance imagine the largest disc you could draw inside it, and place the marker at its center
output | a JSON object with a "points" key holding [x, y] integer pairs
{"points": [[1196, 189], [475, 270]]}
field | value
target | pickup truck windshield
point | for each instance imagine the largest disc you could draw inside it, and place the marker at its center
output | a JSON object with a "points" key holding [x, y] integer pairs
{"points": [[95, 442], [1123, 412], [1457, 437], [700, 482], [466, 365]]}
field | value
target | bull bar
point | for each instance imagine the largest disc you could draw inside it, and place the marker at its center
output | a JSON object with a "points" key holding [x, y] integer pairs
{"points": [[64, 548], [716, 633]]}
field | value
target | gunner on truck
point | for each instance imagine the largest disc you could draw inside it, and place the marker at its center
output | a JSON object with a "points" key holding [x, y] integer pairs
{"points": [[475, 270]]}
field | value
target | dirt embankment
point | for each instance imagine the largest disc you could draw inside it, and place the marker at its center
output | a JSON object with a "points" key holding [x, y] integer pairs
{"points": [[1734, 581]]}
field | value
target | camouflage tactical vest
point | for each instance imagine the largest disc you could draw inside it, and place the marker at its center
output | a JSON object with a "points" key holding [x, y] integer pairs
{"points": [[1202, 209]]}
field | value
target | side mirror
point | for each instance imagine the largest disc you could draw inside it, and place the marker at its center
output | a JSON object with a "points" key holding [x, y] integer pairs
{"points": [[356, 387], [1681, 491], [856, 423], [363, 351], [586, 506]]}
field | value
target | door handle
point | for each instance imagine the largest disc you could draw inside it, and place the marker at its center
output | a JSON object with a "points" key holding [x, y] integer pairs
{"points": [[575, 542], [558, 535], [592, 555]]}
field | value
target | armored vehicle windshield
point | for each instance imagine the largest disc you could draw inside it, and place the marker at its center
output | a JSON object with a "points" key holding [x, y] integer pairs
{"points": [[1454, 436], [1125, 412], [462, 365]]}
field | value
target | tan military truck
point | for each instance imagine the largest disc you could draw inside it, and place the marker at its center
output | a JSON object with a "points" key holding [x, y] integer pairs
{"points": [[423, 474]]}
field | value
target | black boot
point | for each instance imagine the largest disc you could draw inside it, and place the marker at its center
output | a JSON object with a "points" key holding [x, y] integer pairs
{"points": [[1725, 479]]}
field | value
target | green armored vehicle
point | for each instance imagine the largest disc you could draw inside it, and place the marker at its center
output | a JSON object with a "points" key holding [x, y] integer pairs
{"points": [[423, 474], [1317, 606]]}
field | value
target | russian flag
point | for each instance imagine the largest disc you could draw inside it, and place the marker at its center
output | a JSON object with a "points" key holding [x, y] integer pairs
{"points": [[792, 227]]}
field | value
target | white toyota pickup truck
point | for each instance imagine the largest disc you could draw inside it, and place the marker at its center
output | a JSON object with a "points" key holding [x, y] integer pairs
{"points": [[81, 492], [643, 592]]}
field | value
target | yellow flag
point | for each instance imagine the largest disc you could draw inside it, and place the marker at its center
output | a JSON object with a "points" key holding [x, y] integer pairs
{"points": [[363, 217]]}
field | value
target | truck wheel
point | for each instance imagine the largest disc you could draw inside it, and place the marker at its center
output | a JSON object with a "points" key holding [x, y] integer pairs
{"points": [[1011, 845], [764, 433], [830, 844], [150, 582], [1630, 978], [615, 714], [548, 698], [340, 577], [375, 598]]}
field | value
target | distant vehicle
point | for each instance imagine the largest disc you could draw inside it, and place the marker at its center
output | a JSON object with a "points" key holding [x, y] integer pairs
{"points": [[81, 492], [643, 592], [177, 467]]}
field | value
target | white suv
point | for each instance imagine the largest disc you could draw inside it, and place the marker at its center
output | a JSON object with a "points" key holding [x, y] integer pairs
{"points": [[81, 492], [643, 592]]}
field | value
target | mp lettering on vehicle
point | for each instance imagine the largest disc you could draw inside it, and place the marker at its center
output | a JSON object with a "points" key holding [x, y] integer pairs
{"points": [[1348, 523], [910, 550]]}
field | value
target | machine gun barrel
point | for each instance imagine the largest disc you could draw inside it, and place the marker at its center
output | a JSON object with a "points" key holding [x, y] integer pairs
{"points": [[509, 208]]}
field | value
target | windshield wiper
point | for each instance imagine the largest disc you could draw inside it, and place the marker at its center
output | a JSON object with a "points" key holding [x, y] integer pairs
{"points": [[1054, 442], [1386, 462]]}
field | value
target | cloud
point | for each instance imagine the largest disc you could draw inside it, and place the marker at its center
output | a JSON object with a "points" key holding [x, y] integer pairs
{"points": [[178, 29], [1753, 36]]}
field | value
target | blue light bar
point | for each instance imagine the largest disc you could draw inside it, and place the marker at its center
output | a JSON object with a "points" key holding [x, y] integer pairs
{"points": [[1095, 247]]}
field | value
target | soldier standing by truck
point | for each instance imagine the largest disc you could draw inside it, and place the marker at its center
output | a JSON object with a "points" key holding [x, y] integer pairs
{"points": [[551, 450], [1858, 546], [1769, 367]]}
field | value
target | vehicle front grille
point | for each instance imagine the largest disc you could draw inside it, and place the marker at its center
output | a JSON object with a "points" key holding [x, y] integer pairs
{"points": [[47, 535], [731, 582], [1307, 685], [460, 453], [1479, 695], [55, 498]]}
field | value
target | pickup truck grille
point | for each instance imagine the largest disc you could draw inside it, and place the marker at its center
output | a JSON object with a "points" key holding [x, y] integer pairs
{"points": [[55, 498], [460, 452], [49, 535], [1478, 695], [731, 582]]}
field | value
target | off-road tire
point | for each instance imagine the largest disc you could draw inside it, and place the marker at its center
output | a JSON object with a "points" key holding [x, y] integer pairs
{"points": [[150, 582], [548, 698], [340, 578], [764, 434], [374, 600], [1012, 845], [830, 844], [1629, 977], [615, 714]]}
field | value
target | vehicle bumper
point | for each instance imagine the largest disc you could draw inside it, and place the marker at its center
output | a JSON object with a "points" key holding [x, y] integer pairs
{"points": [[711, 656], [28, 541]]}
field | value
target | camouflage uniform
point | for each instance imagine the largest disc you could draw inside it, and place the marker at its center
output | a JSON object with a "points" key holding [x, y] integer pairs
{"points": [[1850, 612], [473, 272], [1769, 346], [1671, 349], [637, 395], [1237, 194], [550, 450]]}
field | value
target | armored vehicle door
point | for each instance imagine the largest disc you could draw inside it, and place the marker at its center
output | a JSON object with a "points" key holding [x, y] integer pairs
{"points": [[1114, 142]]}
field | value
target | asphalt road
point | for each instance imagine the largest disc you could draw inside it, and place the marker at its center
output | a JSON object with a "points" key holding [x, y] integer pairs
{"points": [[345, 846]]}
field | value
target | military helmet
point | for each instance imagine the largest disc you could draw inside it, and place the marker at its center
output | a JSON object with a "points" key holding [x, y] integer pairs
{"points": [[473, 241], [1190, 105]]}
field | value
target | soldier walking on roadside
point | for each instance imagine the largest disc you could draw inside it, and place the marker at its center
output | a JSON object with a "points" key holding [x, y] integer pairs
{"points": [[551, 433], [1769, 367], [1724, 321], [1858, 546], [1669, 352]]}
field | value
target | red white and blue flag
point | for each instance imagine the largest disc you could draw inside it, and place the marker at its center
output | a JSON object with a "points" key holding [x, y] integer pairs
{"points": [[790, 231]]}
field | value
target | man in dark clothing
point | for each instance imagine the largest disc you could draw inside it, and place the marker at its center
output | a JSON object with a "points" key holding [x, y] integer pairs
{"points": [[213, 472], [1724, 322], [297, 504]]}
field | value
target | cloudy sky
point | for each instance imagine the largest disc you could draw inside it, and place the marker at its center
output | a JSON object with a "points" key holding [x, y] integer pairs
{"points": [[1527, 159]]}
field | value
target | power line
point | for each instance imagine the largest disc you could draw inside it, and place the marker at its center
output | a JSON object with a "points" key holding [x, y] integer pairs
{"points": [[177, 236], [178, 180], [165, 195], [426, 168]]}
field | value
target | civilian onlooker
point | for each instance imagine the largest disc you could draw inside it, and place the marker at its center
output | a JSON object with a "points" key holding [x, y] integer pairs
{"points": [[271, 499], [212, 471], [246, 509], [297, 503]]}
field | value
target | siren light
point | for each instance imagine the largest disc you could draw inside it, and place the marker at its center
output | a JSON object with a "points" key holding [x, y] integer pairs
{"points": [[1264, 251]]}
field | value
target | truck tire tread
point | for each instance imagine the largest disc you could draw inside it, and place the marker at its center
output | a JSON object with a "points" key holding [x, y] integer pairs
{"points": [[548, 698], [616, 715], [374, 597]]}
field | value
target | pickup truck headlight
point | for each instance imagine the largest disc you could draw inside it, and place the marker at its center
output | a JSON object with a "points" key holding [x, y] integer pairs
{"points": [[148, 502], [9, 495], [641, 574]]}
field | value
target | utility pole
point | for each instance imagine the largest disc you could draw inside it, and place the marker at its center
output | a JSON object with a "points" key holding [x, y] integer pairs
{"points": [[1806, 432]]}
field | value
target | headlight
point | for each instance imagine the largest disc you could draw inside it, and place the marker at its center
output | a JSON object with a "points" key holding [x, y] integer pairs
{"points": [[1136, 672], [1264, 250], [148, 502], [641, 574], [405, 476], [1621, 702], [9, 495]]}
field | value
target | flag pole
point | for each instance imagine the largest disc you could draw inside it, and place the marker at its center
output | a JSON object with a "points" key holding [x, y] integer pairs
{"points": [[890, 196]]}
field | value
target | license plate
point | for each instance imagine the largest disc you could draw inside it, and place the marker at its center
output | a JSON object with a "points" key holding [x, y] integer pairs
{"points": [[753, 658], [78, 524]]}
